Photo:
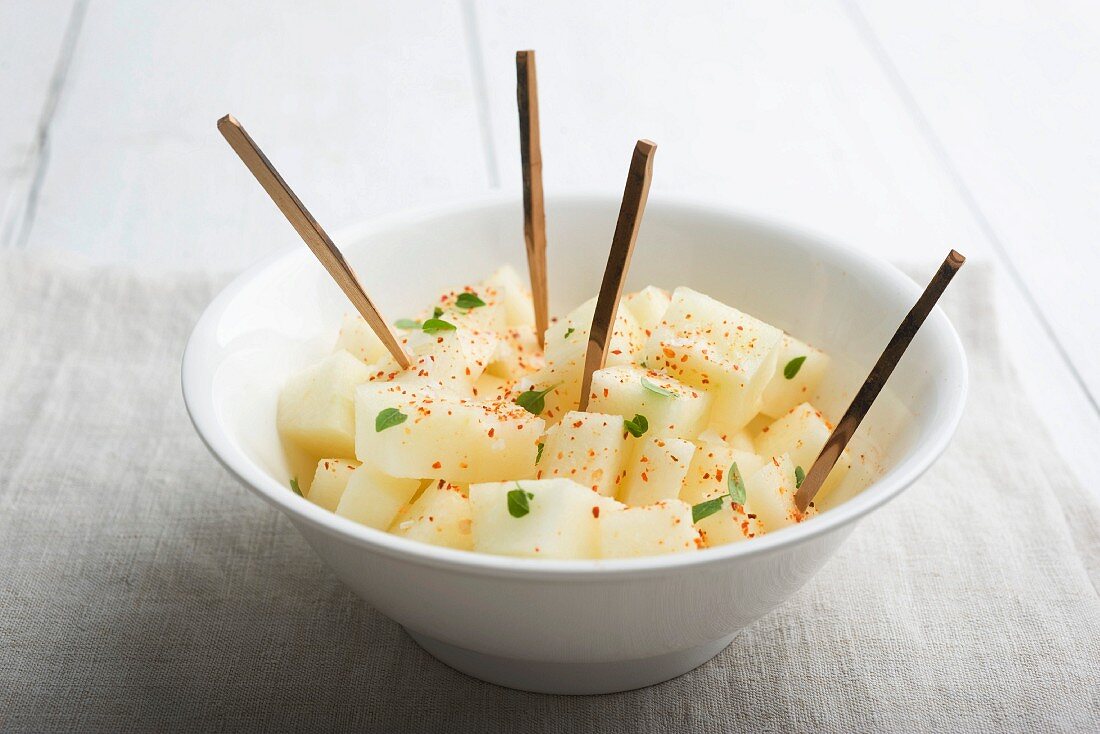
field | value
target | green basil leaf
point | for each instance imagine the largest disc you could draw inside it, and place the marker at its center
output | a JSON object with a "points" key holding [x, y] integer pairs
{"points": [[388, 418], [538, 457], [655, 388], [433, 325], [799, 477], [793, 367], [534, 401], [406, 324], [468, 300], [637, 426], [736, 485], [295, 487], [569, 331], [706, 509], [518, 505]]}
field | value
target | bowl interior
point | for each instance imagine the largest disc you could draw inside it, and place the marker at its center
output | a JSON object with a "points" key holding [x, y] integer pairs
{"points": [[284, 314]]}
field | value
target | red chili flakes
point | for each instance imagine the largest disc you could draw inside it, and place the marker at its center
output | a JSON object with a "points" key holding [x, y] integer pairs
{"points": [[437, 465], [492, 431], [605, 392], [595, 511], [668, 352], [616, 352], [645, 477], [718, 475], [578, 424]]}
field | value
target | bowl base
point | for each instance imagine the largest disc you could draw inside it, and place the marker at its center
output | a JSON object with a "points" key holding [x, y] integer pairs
{"points": [[571, 678]]}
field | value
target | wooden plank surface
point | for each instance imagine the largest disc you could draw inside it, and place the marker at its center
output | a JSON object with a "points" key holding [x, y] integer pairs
{"points": [[33, 38], [364, 107]]}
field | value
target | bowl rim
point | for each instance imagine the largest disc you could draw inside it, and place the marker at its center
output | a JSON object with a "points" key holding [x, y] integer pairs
{"points": [[202, 346]]}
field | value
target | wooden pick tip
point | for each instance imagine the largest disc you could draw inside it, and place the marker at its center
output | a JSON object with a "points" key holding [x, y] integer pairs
{"points": [[646, 146], [228, 120], [956, 258]]}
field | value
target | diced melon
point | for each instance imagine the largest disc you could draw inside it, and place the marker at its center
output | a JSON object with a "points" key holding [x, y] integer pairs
{"points": [[566, 345], [453, 359], [489, 317], [717, 348], [622, 390], [561, 521], [741, 440], [373, 498], [732, 523], [445, 436], [441, 516], [708, 473], [653, 530], [358, 339], [648, 306], [783, 393], [491, 388], [656, 470], [517, 354], [330, 481], [587, 448], [801, 434], [316, 407], [771, 493], [513, 293]]}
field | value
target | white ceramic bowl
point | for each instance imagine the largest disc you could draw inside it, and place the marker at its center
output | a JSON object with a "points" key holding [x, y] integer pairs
{"points": [[574, 626]]}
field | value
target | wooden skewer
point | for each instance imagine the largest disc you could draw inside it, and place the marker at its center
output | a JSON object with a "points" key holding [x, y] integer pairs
{"points": [[872, 386], [310, 231], [534, 213], [622, 247]]}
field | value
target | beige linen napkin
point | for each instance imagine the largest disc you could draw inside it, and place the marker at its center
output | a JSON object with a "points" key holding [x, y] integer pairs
{"points": [[142, 589]]}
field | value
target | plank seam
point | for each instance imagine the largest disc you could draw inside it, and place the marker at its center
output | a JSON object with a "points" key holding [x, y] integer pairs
{"points": [[909, 101], [40, 154], [481, 90]]}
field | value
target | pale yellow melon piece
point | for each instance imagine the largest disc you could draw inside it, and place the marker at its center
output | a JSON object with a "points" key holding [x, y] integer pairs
{"points": [[731, 524], [512, 291], [566, 344], [771, 493], [708, 472], [717, 348], [373, 498], [358, 339], [441, 516], [490, 317], [316, 409], [782, 393], [330, 481], [453, 360], [491, 388], [628, 390], [517, 354], [587, 448], [648, 306], [741, 440], [561, 521], [656, 529], [656, 470], [444, 435], [801, 434]]}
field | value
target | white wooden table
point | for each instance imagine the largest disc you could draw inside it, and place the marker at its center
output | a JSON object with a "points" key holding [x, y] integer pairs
{"points": [[902, 128]]}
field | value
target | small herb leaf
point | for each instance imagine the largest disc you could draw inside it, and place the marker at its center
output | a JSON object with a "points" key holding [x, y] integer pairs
{"points": [[437, 312], [433, 325], [655, 388], [468, 300], [736, 484], [793, 367], [534, 401], [706, 509], [569, 331], [518, 501], [799, 477], [295, 487], [388, 418], [538, 457], [406, 324], [637, 425]]}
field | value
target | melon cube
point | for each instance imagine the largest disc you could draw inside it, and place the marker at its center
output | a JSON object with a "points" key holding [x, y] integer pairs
{"points": [[741, 440], [453, 360], [517, 354], [648, 306], [656, 471], [512, 293], [330, 481], [489, 317], [654, 530], [358, 339], [801, 434], [490, 388], [373, 498], [587, 448], [717, 348], [732, 523], [444, 435], [560, 522], [441, 516], [771, 491], [627, 390], [784, 393], [708, 473], [316, 410], [566, 346]]}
